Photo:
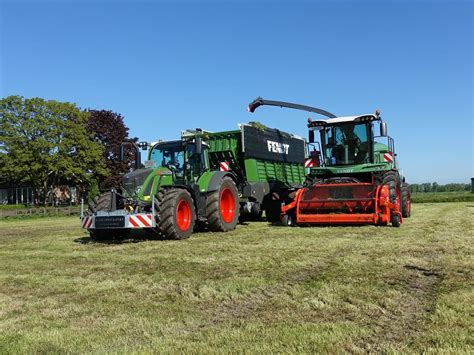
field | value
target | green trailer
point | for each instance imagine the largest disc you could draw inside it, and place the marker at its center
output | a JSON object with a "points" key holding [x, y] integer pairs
{"points": [[205, 180]]}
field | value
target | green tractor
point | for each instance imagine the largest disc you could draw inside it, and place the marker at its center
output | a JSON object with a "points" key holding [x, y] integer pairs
{"points": [[354, 177], [203, 181]]}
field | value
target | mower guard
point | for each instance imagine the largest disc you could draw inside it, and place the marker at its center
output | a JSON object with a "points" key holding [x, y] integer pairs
{"points": [[344, 203]]}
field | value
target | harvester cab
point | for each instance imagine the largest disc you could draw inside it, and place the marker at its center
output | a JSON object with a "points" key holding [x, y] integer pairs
{"points": [[353, 174], [351, 141]]}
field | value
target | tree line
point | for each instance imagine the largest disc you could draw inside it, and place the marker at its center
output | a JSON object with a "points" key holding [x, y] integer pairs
{"points": [[46, 144], [435, 187]]}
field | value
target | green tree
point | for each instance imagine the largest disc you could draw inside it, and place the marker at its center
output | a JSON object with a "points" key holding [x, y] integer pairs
{"points": [[108, 129], [45, 143]]}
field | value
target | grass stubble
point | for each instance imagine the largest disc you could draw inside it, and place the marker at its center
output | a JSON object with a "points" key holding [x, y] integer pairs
{"points": [[256, 289]]}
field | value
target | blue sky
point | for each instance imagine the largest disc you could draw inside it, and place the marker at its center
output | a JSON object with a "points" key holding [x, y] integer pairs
{"points": [[171, 65]]}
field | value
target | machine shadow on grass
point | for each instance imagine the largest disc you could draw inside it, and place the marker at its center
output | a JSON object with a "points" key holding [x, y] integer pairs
{"points": [[137, 236], [134, 237]]}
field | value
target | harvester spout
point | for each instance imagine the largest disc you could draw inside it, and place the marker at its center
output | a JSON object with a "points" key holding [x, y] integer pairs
{"points": [[262, 102]]}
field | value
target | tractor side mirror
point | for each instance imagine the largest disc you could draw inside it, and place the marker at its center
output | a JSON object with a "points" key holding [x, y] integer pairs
{"points": [[138, 158], [198, 145], [121, 157], [311, 136], [383, 129], [121, 154]]}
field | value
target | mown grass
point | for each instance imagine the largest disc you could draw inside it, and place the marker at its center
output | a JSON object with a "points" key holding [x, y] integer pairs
{"points": [[257, 289]]}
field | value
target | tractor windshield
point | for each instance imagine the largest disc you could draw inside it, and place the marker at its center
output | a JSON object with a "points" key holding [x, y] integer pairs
{"points": [[346, 144], [168, 154]]}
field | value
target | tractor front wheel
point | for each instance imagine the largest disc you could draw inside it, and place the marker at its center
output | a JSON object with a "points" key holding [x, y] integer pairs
{"points": [[175, 213], [223, 207], [103, 202]]}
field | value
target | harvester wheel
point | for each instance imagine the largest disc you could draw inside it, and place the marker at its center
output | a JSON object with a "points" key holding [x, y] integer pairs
{"points": [[390, 178], [395, 220], [175, 213], [287, 220], [405, 200], [223, 207]]}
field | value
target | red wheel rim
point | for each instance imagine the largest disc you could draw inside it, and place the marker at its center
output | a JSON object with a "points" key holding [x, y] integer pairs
{"points": [[227, 205], [183, 215]]}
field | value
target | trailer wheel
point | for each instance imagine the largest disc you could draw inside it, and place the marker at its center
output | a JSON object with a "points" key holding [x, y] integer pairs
{"points": [[405, 200], [273, 211], [223, 207], [175, 213]]}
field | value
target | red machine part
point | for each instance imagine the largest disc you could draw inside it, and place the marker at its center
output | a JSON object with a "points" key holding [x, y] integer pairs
{"points": [[343, 203]]}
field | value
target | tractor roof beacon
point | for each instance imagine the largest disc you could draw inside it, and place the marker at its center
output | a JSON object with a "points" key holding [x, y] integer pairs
{"points": [[353, 175]]}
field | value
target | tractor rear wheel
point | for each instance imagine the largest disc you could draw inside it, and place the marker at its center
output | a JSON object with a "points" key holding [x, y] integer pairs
{"points": [[223, 207], [405, 200], [391, 179], [175, 213]]}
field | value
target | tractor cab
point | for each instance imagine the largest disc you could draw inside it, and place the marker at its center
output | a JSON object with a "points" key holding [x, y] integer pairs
{"points": [[186, 159], [178, 162]]}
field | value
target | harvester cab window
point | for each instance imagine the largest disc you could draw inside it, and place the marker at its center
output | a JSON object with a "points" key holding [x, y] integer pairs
{"points": [[346, 144]]}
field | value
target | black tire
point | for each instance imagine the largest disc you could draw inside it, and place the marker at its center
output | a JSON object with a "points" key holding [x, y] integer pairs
{"points": [[272, 209], [255, 213], [222, 218], [395, 219], [391, 179], [103, 202], [273, 212], [405, 200], [175, 213], [287, 220]]}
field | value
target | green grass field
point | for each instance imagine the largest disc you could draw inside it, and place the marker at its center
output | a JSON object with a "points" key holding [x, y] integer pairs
{"points": [[257, 289]]}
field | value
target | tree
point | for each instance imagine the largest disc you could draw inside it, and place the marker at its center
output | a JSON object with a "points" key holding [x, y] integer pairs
{"points": [[45, 143], [108, 129]]}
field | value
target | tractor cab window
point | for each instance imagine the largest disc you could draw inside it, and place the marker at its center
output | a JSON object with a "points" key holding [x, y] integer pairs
{"points": [[169, 156], [178, 157], [346, 144]]}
